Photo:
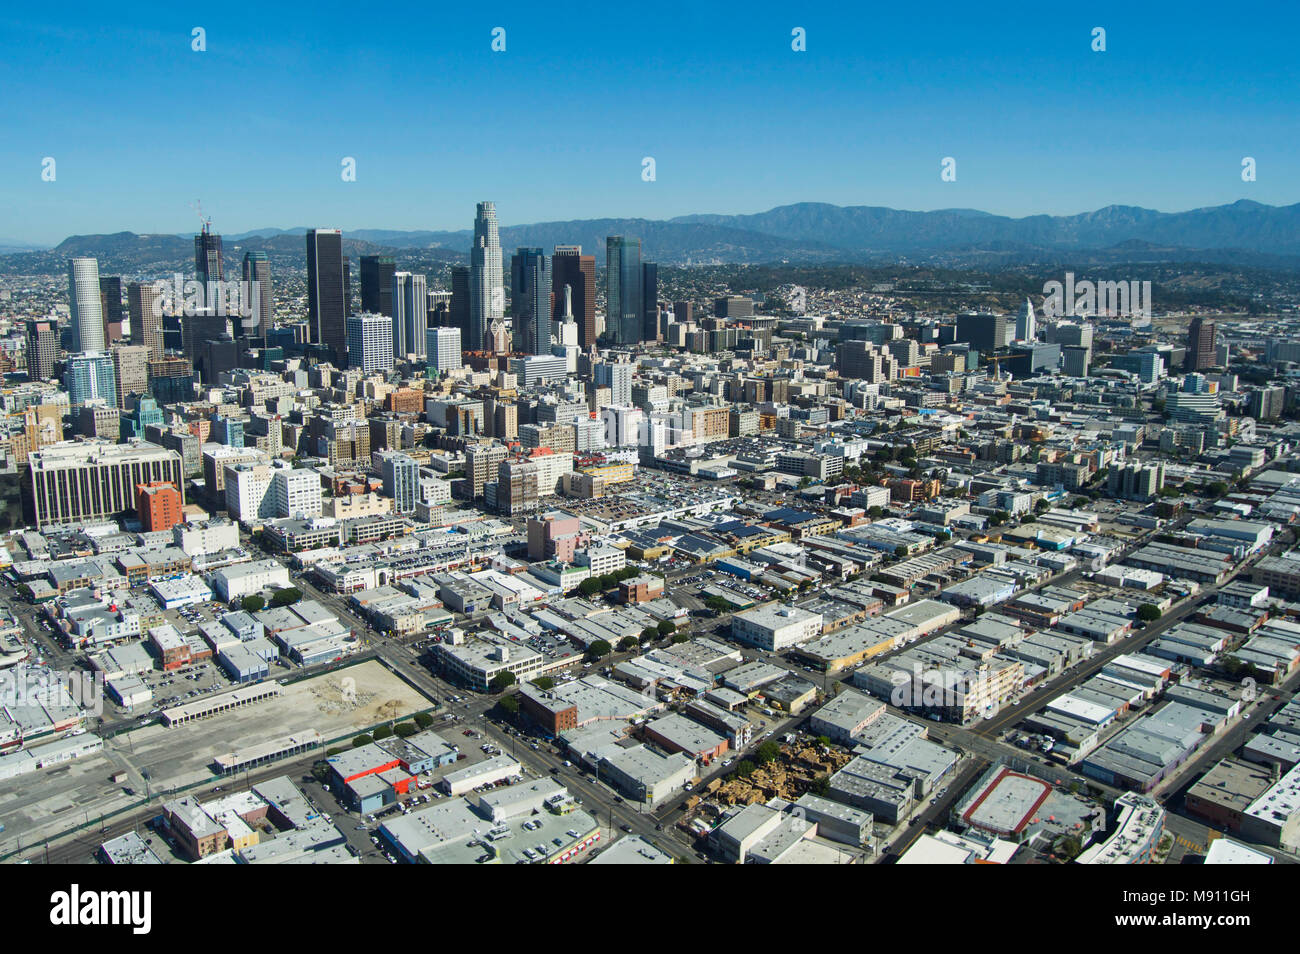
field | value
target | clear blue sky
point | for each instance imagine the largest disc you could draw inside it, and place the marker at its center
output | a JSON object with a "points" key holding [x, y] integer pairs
{"points": [[556, 127]]}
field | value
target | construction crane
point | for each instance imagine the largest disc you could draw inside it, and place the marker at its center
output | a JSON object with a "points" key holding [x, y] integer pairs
{"points": [[206, 220]]}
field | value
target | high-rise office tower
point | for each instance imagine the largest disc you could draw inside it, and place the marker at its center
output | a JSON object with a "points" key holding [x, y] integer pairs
{"points": [[328, 286], [982, 332], [208, 265], [216, 356], [110, 293], [377, 283], [257, 278], [130, 372], [86, 305], [1026, 323], [570, 267], [195, 330], [1200, 345], [487, 298], [444, 350], [89, 376], [459, 311], [370, 342], [530, 300], [410, 314], [624, 302], [144, 306], [42, 349], [650, 301], [1075, 360]]}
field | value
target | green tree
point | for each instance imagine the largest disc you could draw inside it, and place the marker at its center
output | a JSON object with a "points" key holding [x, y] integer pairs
{"points": [[502, 681], [666, 627], [423, 720], [252, 603], [589, 587], [717, 604], [1067, 847], [680, 638], [647, 635], [999, 518], [768, 751], [382, 732], [744, 768], [1148, 612], [544, 683], [599, 650], [404, 730], [509, 705], [286, 597], [361, 740]]}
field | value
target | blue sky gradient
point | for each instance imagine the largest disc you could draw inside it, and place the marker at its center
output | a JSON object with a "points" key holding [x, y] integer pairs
{"points": [[556, 126]]}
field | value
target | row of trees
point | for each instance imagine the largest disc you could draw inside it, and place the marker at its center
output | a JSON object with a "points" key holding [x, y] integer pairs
{"points": [[598, 584], [403, 730]]}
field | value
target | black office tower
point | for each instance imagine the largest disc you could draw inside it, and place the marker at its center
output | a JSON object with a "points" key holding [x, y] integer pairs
{"points": [[460, 302], [377, 284], [328, 290]]}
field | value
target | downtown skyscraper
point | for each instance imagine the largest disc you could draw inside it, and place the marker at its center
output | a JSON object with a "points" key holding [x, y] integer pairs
{"points": [[624, 296], [208, 265], [86, 305], [42, 349], [327, 290], [377, 283], [570, 267], [1201, 353], [410, 314], [487, 297], [145, 310], [257, 278], [530, 300]]}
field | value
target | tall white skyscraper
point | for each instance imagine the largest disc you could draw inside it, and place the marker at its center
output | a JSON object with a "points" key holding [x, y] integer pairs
{"points": [[86, 305], [444, 349], [1026, 324], [487, 291], [370, 342], [410, 314]]}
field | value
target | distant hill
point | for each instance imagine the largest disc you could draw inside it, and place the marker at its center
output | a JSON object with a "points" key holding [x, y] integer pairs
{"points": [[1243, 233]]}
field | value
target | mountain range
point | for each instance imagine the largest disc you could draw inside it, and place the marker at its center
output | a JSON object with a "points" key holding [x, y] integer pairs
{"points": [[1242, 233]]}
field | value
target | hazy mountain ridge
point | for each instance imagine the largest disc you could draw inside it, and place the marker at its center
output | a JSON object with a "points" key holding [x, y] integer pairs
{"points": [[1243, 233]]}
